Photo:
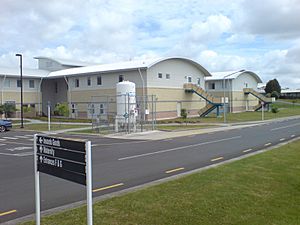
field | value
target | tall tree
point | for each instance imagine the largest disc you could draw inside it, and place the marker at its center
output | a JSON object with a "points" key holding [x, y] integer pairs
{"points": [[272, 86]]}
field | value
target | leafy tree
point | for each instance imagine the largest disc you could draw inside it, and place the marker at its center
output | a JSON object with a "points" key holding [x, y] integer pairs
{"points": [[272, 86], [62, 109], [7, 109]]}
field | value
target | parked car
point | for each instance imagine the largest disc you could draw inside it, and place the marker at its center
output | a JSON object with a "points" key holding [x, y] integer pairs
{"points": [[5, 125]]}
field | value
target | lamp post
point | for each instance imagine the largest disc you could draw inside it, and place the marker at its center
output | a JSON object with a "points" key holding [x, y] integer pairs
{"points": [[21, 76]]}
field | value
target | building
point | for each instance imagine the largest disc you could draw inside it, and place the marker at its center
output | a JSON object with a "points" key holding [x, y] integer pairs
{"points": [[85, 87], [239, 89]]}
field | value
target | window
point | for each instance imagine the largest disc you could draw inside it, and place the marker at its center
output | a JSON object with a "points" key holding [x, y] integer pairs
{"points": [[101, 108], [74, 108], [189, 79], [7, 83], [199, 81], [88, 81], [77, 82], [167, 76], [31, 83], [18, 83], [121, 78], [212, 86], [99, 80], [56, 87], [159, 75]]}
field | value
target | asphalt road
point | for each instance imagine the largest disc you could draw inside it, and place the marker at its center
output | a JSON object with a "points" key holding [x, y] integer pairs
{"points": [[119, 164]]}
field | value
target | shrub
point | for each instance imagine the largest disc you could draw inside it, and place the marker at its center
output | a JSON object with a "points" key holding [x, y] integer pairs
{"points": [[183, 113], [274, 109], [61, 109]]}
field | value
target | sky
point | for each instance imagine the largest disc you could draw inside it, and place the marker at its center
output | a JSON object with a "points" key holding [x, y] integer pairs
{"points": [[258, 35]]}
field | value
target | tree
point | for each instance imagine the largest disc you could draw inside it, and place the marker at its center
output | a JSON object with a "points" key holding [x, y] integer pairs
{"points": [[272, 86], [61, 109], [7, 109]]}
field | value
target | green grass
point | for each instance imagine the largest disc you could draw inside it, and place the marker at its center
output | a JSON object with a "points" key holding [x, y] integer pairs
{"points": [[260, 190], [285, 110], [44, 127], [181, 127], [62, 119]]}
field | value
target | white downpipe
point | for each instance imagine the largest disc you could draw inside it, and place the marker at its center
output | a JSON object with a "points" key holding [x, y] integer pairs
{"points": [[4, 78], [69, 95], [39, 95]]}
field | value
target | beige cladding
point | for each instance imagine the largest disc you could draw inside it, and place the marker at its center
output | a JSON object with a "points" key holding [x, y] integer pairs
{"points": [[28, 97]]}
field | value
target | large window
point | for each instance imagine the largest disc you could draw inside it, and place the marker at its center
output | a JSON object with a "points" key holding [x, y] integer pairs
{"points": [[18, 83], [121, 78], [77, 82], [99, 80], [31, 83]]}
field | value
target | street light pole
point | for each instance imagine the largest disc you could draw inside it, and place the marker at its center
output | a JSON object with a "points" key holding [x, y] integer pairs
{"points": [[21, 76]]}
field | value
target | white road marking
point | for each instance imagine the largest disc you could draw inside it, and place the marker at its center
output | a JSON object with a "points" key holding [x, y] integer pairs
{"points": [[279, 128], [281, 139], [2, 144], [268, 144], [293, 135], [10, 138], [21, 137], [121, 143], [179, 148], [248, 150]]}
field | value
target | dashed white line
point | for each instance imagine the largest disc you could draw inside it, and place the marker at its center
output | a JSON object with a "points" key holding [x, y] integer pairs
{"points": [[293, 135], [179, 148], [268, 144], [248, 150], [281, 139]]}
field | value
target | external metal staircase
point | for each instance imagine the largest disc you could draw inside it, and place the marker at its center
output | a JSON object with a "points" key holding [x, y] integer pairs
{"points": [[213, 102], [261, 97]]}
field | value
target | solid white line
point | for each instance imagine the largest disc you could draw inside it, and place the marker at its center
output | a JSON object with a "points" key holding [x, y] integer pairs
{"points": [[279, 128], [179, 148], [121, 143]]}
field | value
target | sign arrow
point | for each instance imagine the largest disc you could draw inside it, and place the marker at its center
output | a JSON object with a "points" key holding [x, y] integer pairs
{"points": [[41, 140], [41, 159]]}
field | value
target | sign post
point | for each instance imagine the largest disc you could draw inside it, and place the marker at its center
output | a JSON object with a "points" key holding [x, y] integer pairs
{"points": [[69, 159]]}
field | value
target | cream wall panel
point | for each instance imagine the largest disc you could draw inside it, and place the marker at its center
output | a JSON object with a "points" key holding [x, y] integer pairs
{"points": [[178, 70]]}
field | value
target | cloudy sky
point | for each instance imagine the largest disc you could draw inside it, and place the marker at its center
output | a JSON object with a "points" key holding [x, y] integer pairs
{"points": [[259, 35]]}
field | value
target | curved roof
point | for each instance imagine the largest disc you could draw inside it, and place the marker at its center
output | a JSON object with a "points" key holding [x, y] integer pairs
{"points": [[229, 75], [122, 66]]}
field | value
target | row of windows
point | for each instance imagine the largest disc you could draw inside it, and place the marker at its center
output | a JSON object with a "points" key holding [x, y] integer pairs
{"points": [[160, 75], [188, 78], [89, 81], [31, 83]]}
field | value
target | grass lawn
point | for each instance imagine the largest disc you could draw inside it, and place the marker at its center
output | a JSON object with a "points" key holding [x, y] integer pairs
{"points": [[44, 127], [285, 110], [181, 127], [262, 189]]}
